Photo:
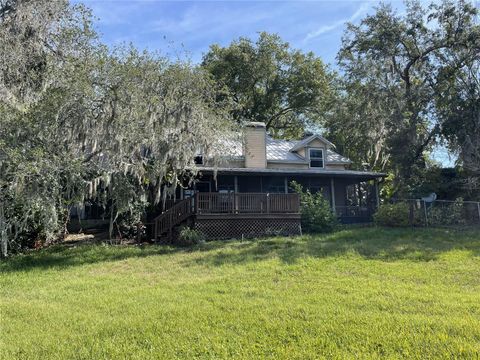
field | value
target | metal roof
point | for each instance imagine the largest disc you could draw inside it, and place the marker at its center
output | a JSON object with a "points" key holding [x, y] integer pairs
{"points": [[280, 151]]}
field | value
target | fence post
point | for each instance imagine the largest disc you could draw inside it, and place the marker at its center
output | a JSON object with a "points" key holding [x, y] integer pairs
{"points": [[411, 213], [425, 211]]}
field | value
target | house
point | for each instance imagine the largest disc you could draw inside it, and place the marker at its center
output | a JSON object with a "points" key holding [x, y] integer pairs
{"points": [[249, 192]]}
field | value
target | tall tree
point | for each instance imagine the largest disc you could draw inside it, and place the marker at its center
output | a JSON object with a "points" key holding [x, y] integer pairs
{"points": [[77, 118], [268, 81], [394, 65], [459, 111]]}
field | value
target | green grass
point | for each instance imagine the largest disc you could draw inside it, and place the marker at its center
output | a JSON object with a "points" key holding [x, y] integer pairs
{"points": [[360, 293]]}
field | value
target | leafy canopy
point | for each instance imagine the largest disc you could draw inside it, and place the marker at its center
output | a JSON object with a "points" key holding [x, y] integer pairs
{"points": [[398, 71], [268, 81], [78, 122]]}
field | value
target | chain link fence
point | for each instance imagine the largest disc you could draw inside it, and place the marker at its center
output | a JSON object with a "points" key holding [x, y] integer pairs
{"points": [[439, 213]]}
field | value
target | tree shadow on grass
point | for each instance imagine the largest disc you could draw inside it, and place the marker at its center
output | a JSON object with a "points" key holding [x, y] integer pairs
{"points": [[63, 256], [370, 243]]}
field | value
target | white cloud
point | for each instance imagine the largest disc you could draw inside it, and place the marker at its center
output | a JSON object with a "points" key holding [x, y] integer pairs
{"points": [[327, 28]]}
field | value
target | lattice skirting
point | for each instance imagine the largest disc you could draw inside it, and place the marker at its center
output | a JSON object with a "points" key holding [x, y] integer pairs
{"points": [[216, 229]]}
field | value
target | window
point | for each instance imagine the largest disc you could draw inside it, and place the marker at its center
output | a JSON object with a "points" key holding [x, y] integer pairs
{"points": [[316, 158], [198, 160]]}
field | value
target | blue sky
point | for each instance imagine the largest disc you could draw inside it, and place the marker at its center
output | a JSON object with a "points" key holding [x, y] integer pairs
{"points": [[176, 27]]}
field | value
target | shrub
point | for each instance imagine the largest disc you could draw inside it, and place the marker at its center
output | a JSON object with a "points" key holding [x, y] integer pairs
{"points": [[397, 215], [317, 216], [447, 214], [189, 237]]}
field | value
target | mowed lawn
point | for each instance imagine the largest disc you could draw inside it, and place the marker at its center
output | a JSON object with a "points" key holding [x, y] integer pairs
{"points": [[359, 293]]}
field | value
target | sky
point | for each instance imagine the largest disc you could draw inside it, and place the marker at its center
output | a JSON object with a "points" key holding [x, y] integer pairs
{"points": [[179, 28]]}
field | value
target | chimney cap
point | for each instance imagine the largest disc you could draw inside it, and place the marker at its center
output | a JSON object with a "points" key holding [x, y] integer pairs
{"points": [[255, 124]]}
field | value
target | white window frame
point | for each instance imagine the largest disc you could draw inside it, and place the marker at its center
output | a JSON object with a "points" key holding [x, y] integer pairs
{"points": [[310, 158]]}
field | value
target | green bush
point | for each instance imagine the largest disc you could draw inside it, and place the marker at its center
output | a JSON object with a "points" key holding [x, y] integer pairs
{"points": [[189, 237], [397, 215], [317, 216], [446, 213]]}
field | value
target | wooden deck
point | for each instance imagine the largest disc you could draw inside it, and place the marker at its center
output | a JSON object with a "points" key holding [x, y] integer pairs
{"points": [[226, 215]]}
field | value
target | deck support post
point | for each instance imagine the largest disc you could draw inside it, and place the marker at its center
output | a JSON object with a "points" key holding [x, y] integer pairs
{"points": [[332, 194]]}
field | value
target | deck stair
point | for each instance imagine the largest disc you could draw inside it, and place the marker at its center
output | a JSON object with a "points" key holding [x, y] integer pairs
{"points": [[174, 216]]}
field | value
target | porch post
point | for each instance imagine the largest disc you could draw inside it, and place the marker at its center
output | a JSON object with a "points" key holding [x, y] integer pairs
{"points": [[377, 195], [359, 193], [332, 194], [235, 192], [286, 185]]}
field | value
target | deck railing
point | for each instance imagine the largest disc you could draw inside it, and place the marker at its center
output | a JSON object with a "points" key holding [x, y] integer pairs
{"points": [[179, 212], [246, 203], [224, 203]]}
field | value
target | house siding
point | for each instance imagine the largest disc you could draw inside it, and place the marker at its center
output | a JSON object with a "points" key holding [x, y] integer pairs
{"points": [[335, 167], [286, 166], [315, 143]]}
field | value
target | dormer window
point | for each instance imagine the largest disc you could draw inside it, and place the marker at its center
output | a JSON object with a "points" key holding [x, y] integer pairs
{"points": [[198, 160], [316, 158]]}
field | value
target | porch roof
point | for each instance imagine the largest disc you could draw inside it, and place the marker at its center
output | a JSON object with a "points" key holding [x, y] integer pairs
{"points": [[361, 175]]}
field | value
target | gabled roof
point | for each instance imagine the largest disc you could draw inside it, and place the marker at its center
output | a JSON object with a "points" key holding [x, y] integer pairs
{"points": [[280, 151], [303, 143]]}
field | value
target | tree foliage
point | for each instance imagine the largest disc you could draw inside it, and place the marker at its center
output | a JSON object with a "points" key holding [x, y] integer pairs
{"points": [[79, 121], [459, 111], [268, 81], [397, 68]]}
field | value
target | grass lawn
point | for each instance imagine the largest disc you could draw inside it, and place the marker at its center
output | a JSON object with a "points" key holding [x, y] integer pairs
{"points": [[360, 293]]}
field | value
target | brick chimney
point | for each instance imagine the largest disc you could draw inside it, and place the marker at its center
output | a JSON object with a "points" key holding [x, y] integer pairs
{"points": [[255, 148]]}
